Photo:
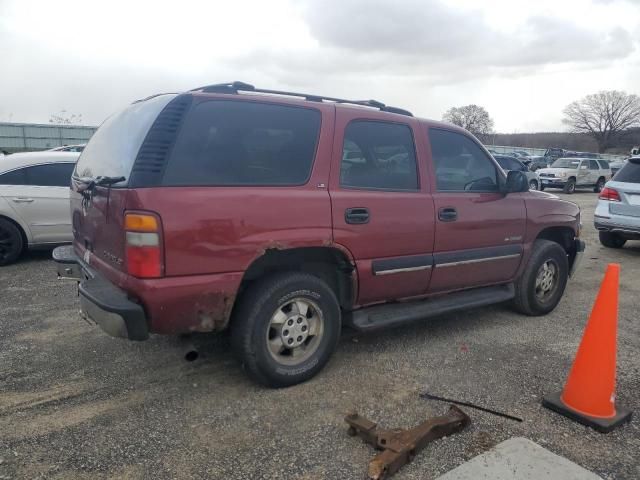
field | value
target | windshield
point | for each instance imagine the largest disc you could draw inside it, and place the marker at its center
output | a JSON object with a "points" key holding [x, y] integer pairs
{"points": [[113, 148], [566, 163]]}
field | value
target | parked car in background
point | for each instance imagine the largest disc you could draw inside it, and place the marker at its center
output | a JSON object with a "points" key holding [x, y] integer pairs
{"points": [[572, 154], [569, 173], [69, 148], [509, 163], [34, 202], [282, 217], [536, 162], [617, 215], [520, 154], [616, 166], [552, 154]]}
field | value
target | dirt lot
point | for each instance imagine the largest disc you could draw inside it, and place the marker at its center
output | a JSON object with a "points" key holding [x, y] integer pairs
{"points": [[75, 403]]}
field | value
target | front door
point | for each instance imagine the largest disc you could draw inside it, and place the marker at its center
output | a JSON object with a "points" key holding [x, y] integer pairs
{"points": [[479, 230], [584, 173], [382, 209]]}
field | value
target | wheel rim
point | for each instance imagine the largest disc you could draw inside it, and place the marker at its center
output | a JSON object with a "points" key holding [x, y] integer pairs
{"points": [[533, 185], [547, 280], [572, 187], [600, 184], [295, 331], [7, 244]]}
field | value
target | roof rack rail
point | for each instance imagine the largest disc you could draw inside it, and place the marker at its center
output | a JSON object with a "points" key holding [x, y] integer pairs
{"points": [[235, 87]]}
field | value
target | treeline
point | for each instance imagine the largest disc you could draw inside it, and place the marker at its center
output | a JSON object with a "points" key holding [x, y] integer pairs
{"points": [[567, 140]]}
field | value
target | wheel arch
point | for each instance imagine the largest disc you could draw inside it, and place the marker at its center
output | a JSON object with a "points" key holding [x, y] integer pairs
{"points": [[562, 235]]}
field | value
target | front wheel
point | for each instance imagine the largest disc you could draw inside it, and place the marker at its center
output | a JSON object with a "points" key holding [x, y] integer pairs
{"points": [[533, 185], [541, 285], [570, 186], [285, 328]]}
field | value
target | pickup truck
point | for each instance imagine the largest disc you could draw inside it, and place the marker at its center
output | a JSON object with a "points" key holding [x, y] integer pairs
{"points": [[283, 216]]}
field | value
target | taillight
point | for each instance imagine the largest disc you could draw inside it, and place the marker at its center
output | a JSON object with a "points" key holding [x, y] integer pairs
{"points": [[609, 194], [143, 249]]}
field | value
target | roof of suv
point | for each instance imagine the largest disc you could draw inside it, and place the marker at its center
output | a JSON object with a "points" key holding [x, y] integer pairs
{"points": [[24, 159]]}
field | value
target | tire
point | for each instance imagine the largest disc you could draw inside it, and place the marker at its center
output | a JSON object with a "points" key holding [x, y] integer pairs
{"points": [[600, 185], [537, 293], [259, 334], [11, 243], [611, 240], [570, 186], [541, 188], [533, 185]]}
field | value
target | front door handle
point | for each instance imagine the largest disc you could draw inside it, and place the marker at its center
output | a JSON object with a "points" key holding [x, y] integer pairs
{"points": [[447, 214], [22, 200], [356, 216]]}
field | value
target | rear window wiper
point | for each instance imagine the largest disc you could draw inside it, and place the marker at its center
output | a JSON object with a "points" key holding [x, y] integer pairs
{"points": [[100, 181]]}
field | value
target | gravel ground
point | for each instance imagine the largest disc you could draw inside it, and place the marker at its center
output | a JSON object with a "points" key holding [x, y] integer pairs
{"points": [[75, 403]]}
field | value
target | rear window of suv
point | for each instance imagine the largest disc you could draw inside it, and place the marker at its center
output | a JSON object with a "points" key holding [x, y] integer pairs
{"points": [[244, 143], [113, 148], [630, 173]]}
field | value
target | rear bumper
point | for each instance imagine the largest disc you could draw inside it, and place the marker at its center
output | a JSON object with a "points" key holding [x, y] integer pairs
{"points": [[101, 301], [629, 231]]}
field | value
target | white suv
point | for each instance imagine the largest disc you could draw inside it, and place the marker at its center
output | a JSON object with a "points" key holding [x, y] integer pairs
{"points": [[34, 201], [569, 173], [617, 215]]}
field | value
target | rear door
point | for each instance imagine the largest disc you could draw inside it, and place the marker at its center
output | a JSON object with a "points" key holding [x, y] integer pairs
{"points": [[479, 231], [43, 201], [381, 204]]}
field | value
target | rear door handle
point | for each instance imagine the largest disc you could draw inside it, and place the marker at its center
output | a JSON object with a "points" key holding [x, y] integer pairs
{"points": [[22, 200], [447, 214], [356, 216]]}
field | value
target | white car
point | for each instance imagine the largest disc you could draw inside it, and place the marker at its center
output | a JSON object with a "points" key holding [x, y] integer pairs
{"points": [[34, 201], [569, 173], [617, 215]]}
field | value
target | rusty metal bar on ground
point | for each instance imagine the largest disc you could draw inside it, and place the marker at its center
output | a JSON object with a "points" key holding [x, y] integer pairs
{"points": [[400, 446], [470, 405]]}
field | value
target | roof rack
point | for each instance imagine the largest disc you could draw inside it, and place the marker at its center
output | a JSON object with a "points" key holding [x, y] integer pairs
{"points": [[235, 87]]}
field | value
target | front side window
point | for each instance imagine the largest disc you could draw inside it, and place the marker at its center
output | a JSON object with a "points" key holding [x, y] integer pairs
{"points": [[244, 143], [379, 156], [50, 175], [461, 165], [566, 163], [603, 164]]}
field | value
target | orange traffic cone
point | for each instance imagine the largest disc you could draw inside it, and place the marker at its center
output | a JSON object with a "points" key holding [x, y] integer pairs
{"points": [[589, 394]]}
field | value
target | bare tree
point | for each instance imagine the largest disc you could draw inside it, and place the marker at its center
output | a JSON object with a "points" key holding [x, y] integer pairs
{"points": [[472, 118], [65, 118], [604, 116]]}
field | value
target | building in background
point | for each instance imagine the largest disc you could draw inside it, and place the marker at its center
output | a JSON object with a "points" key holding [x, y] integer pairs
{"points": [[26, 137]]}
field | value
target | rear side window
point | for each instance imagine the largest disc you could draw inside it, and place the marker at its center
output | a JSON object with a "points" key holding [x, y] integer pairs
{"points": [[15, 177], [593, 165], [379, 156], [244, 143], [113, 148], [630, 173], [461, 165]]}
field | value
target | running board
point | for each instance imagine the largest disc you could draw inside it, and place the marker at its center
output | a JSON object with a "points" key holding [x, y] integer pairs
{"points": [[391, 315]]}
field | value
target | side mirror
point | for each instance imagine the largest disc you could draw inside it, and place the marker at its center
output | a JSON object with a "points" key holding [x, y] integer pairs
{"points": [[516, 182]]}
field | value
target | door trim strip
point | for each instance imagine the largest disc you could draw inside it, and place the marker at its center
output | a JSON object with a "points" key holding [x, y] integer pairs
{"points": [[413, 263], [477, 260]]}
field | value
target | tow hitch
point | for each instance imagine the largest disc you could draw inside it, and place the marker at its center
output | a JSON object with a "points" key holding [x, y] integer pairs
{"points": [[399, 446]]}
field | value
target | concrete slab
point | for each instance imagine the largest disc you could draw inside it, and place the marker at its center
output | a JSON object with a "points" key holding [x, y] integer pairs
{"points": [[519, 459]]}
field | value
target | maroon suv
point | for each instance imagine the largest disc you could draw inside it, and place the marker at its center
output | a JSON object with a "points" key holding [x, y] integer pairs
{"points": [[284, 216]]}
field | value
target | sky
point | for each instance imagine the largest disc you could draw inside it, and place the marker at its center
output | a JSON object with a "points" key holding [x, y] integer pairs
{"points": [[523, 61]]}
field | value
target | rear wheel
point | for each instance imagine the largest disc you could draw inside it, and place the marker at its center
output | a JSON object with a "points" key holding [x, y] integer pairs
{"points": [[599, 185], [541, 285], [11, 243], [611, 240], [286, 328], [570, 186], [533, 185]]}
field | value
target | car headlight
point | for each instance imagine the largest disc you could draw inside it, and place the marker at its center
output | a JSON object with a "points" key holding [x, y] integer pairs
{"points": [[562, 174]]}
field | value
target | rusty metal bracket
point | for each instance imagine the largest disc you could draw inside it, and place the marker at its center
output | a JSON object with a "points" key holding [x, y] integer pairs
{"points": [[400, 446]]}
